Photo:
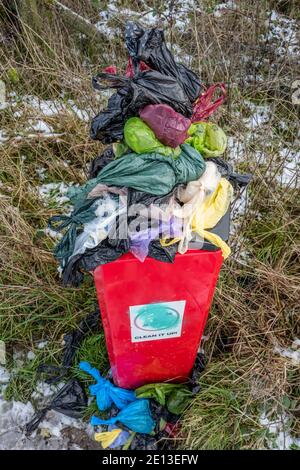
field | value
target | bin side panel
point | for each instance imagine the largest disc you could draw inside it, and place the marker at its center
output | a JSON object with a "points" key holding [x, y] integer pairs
{"points": [[154, 314]]}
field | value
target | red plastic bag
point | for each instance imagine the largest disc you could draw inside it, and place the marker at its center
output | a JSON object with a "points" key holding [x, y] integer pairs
{"points": [[204, 106], [129, 68], [111, 69], [169, 126]]}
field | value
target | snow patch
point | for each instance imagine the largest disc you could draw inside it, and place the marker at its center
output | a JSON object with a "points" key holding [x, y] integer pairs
{"points": [[42, 344], [41, 173], [54, 193], [40, 126], [279, 437], [222, 8], [261, 114], [283, 33], [4, 375], [292, 353], [3, 136]]}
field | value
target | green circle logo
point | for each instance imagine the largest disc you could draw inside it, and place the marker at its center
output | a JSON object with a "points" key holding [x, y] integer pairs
{"points": [[156, 317]]}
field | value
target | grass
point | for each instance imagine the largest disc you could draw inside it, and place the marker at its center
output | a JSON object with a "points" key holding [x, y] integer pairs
{"points": [[255, 307]]}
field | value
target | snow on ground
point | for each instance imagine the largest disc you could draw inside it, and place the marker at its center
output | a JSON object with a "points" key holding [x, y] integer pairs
{"points": [[56, 431], [178, 11], [54, 193], [282, 32], [290, 172], [40, 126], [223, 8], [260, 114], [279, 437], [3, 136], [292, 353]]}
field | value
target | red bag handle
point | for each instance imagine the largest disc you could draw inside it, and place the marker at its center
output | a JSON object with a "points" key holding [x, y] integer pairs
{"points": [[204, 106]]}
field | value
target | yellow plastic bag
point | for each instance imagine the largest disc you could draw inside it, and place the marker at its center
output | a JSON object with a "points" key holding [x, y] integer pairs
{"points": [[208, 215], [214, 206], [211, 211], [107, 438]]}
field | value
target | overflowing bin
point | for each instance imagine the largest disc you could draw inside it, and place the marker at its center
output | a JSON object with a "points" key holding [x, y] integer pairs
{"points": [[155, 284], [154, 314]]}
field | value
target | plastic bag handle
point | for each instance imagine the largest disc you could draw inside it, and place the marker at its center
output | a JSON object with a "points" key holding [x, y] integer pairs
{"points": [[116, 81], [204, 106]]}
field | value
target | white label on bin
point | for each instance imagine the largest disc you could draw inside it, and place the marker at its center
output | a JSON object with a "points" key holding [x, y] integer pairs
{"points": [[150, 322]]}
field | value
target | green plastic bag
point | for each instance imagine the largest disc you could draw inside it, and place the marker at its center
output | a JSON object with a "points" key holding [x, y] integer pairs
{"points": [[208, 138], [175, 397], [141, 139], [158, 392], [179, 400], [151, 173]]}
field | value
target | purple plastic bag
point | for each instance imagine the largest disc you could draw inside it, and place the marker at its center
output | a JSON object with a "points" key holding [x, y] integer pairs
{"points": [[140, 241], [169, 126]]}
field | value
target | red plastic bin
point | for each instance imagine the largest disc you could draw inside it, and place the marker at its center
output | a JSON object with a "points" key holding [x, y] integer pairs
{"points": [[154, 314]]}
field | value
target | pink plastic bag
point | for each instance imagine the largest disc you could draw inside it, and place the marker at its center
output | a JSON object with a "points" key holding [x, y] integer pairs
{"points": [[204, 106], [129, 68], [169, 126]]}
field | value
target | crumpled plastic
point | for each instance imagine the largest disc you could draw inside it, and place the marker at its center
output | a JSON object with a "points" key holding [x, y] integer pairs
{"points": [[175, 397], [148, 45], [148, 172], [211, 211], [71, 401], [207, 183], [141, 139], [169, 127], [81, 214], [238, 180], [107, 251], [105, 392], [214, 206], [193, 196], [151, 173], [206, 216], [112, 248], [72, 341], [208, 138], [140, 241], [136, 416], [107, 208], [149, 87], [98, 163], [113, 438], [107, 438], [204, 106]]}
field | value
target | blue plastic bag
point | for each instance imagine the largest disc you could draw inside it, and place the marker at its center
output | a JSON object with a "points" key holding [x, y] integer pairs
{"points": [[105, 392], [136, 416]]}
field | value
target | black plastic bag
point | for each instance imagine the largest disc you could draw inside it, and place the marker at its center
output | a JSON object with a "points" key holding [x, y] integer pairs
{"points": [[149, 87], [149, 46], [111, 249], [98, 163], [165, 254], [108, 250], [237, 180], [73, 340], [71, 400]]}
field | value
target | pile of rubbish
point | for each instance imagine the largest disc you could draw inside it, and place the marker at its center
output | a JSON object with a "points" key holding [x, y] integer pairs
{"points": [[147, 418], [161, 186]]}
